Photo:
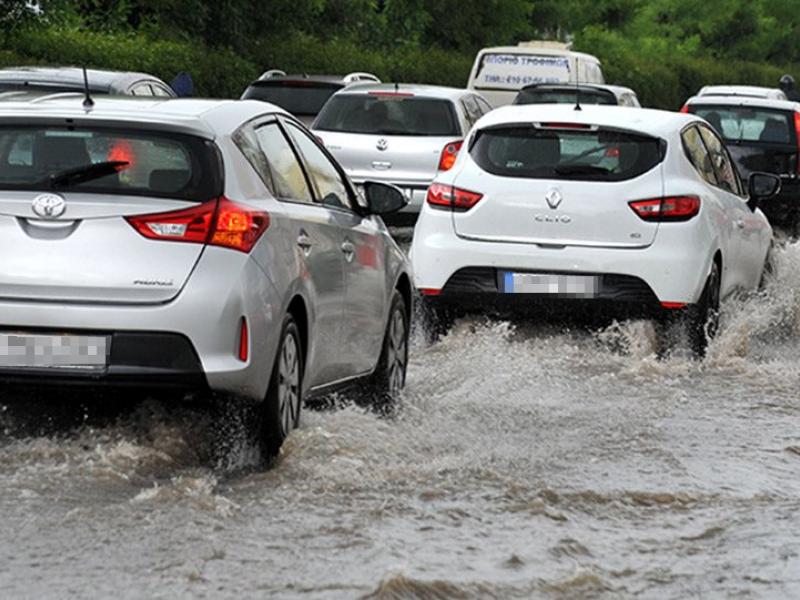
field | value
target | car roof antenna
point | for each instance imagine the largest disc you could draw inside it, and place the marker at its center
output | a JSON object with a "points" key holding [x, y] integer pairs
{"points": [[577, 84], [87, 101], [396, 87]]}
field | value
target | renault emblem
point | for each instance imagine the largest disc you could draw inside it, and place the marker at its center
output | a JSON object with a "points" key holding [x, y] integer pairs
{"points": [[49, 206], [553, 197], [382, 144]]}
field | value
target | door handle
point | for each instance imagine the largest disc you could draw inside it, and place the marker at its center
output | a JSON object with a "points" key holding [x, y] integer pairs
{"points": [[305, 242], [739, 224], [349, 250]]}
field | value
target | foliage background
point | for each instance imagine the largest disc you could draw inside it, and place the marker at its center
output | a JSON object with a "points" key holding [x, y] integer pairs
{"points": [[664, 49]]}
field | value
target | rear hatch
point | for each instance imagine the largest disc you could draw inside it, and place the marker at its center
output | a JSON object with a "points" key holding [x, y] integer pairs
{"points": [[759, 139], [560, 185], [65, 193], [303, 98], [397, 137]]}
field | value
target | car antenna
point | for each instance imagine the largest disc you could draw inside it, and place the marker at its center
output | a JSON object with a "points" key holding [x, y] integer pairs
{"points": [[87, 101], [577, 84], [396, 87]]}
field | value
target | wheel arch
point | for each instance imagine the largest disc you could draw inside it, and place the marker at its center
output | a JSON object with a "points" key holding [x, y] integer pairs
{"points": [[297, 308]]}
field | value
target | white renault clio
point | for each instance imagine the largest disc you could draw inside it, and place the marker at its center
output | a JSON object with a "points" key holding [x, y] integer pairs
{"points": [[633, 208]]}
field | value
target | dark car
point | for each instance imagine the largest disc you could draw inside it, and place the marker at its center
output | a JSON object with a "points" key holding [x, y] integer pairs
{"points": [[564, 93], [70, 79], [762, 134], [302, 95]]}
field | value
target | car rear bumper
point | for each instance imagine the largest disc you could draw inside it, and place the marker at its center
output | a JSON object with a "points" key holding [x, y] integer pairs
{"points": [[149, 360], [671, 269], [225, 287]]}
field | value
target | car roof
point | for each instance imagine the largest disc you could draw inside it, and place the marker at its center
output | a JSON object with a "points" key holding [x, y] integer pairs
{"points": [[657, 123], [744, 101], [541, 50], [617, 90], [73, 77], [742, 90], [416, 89], [207, 118]]}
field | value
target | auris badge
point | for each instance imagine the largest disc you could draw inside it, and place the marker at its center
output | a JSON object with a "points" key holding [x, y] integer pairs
{"points": [[382, 144], [553, 197], [49, 206]]}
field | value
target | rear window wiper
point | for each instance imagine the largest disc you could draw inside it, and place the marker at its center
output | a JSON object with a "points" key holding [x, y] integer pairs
{"points": [[582, 170], [82, 174]]}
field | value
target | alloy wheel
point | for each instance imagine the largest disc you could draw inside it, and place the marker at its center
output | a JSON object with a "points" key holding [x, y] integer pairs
{"points": [[289, 384]]}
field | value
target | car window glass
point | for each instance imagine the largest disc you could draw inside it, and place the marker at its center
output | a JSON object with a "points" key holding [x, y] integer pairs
{"points": [[726, 172], [484, 105], [698, 155], [142, 89], [246, 140], [328, 181], [471, 109], [288, 179], [160, 91]]}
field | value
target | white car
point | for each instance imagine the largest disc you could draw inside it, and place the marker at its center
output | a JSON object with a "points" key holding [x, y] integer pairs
{"points": [[642, 208], [743, 91]]}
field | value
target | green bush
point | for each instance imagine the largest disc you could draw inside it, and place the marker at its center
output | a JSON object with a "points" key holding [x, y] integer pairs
{"points": [[216, 73]]}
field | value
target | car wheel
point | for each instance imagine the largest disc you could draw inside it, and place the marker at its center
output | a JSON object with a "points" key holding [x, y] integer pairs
{"points": [[769, 269], [281, 410], [703, 317], [390, 376]]}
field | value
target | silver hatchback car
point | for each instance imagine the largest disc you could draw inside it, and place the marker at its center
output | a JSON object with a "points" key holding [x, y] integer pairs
{"points": [[402, 134], [202, 246]]}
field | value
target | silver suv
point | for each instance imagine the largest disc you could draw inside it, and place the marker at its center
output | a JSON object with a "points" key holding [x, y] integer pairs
{"points": [[400, 134], [199, 246]]}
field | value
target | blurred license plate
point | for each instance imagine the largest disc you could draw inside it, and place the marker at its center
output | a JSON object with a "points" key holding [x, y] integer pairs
{"points": [[578, 286], [25, 350]]}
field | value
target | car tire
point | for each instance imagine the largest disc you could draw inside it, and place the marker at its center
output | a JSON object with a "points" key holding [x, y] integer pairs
{"points": [[281, 407], [768, 272], [436, 320], [389, 377], [703, 317]]}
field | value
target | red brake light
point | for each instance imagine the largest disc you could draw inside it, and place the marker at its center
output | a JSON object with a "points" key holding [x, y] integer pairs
{"points": [[447, 196], [670, 208], [685, 108], [797, 135], [220, 222], [449, 155]]}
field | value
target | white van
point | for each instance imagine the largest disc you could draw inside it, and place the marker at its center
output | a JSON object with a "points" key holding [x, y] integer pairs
{"points": [[499, 73]]}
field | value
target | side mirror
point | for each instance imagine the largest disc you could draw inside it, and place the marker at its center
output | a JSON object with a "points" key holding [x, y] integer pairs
{"points": [[762, 186], [383, 198]]}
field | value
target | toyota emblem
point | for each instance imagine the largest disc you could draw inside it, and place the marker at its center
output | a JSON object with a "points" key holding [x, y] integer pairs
{"points": [[553, 197], [382, 144], [49, 206]]}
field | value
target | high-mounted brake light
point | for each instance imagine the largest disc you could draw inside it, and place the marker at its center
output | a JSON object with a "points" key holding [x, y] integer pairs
{"points": [[685, 108], [449, 155], [392, 94], [669, 208], [565, 125], [447, 196], [220, 222]]}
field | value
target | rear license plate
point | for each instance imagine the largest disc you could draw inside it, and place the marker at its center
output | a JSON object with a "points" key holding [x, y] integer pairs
{"points": [[572, 286], [37, 351]]}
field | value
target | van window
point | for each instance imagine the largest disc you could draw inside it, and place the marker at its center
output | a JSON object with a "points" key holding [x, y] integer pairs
{"points": [[601, 155], [514, 70]]}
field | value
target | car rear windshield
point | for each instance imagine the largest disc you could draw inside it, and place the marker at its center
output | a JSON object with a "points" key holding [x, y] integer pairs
{"points": [[304, 98], [575, 154], [109, 161], [748, 124], [388, 114], [565, 96]]}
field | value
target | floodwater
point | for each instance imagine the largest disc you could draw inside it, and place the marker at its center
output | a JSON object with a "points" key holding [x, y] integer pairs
{"points": [[524, 462]]}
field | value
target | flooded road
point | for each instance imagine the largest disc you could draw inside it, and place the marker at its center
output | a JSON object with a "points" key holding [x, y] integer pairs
{"points": [[525, 462]]}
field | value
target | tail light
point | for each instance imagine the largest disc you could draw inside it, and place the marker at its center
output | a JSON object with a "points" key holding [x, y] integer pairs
{"points": [[685, 108], [243, 340], [447, 196], [449, 155], [797, 135], [670, 208], [220, 222]]}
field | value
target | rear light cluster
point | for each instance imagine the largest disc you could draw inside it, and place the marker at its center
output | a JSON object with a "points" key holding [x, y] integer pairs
{"points": [[447, 196], [797, 137], [685, 108], [219, 222], [449, 155], [669, 208]]}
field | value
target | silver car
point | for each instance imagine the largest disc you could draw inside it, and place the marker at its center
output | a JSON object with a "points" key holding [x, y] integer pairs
{"points": [[201, 246], [400, 134]]}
